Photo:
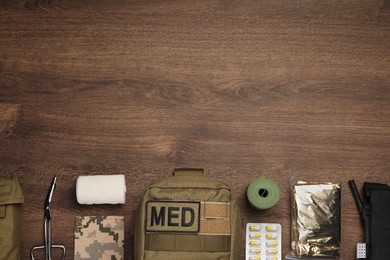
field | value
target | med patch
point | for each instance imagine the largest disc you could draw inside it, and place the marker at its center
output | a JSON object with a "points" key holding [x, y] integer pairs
{"points": [[172, 216]]}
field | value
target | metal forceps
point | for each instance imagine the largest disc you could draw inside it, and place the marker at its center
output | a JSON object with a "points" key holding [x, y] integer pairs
{"points": [[47, 231]]}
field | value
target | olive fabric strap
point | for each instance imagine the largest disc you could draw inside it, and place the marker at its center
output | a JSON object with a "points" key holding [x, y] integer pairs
{"points": [[194, 243], [188, 172], [2, 211]]}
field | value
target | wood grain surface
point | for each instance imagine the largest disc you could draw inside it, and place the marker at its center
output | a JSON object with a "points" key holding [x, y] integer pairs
{"points": [[243, 89]]}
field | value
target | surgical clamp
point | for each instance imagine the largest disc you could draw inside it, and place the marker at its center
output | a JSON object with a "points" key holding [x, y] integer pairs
{"points": [[47, 229]]}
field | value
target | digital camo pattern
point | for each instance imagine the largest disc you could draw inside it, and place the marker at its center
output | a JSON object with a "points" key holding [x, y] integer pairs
{"points": [[99, 238]]}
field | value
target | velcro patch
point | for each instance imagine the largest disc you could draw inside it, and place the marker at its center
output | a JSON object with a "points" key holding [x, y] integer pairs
{"points": [[215, 218], [172, 216]]}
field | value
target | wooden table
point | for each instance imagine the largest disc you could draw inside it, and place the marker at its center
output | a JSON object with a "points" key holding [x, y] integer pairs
{"points": [[243, 89]]}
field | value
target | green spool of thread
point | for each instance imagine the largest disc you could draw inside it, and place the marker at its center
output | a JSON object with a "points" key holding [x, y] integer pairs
{"points": [[263, 193]]}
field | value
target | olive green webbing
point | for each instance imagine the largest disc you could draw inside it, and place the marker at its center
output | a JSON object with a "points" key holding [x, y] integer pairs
{"points": [[188, 243]]}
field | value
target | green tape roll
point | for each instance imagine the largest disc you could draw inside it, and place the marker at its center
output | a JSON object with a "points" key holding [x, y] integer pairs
{"points": [[263, 193]]}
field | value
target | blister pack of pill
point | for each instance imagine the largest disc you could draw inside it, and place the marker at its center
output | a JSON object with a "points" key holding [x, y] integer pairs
{"points": [[263, 241]]}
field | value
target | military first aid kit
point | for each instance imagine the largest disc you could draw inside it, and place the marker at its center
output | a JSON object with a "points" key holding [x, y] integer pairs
{"points": [[11, 199], [188, 216]]}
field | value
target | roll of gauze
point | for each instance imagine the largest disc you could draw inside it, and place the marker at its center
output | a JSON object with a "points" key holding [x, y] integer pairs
{"points": [[101, 189]]}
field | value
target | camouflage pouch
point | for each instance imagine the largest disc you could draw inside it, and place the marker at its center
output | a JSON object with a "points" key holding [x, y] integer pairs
{"points": [[11, 199], [99, 238], [188, 217]]}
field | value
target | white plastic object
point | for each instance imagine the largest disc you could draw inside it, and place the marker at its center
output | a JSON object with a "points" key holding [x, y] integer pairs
{"points": [[361, 251]]}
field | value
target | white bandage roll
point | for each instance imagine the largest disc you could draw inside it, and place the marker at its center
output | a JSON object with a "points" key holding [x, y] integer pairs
{"points": [[101, 189]]}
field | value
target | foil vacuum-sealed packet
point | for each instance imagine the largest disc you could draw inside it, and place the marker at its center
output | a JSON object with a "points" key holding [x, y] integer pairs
{"points": [[316, 219]]}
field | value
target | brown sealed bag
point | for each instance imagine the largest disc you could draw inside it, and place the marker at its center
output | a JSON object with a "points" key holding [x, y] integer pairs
{"points": [[188, 217], [11, 199]]}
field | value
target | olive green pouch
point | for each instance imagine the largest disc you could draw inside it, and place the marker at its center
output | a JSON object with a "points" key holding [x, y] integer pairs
{"points": [[188, 216], [11, 198]]}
